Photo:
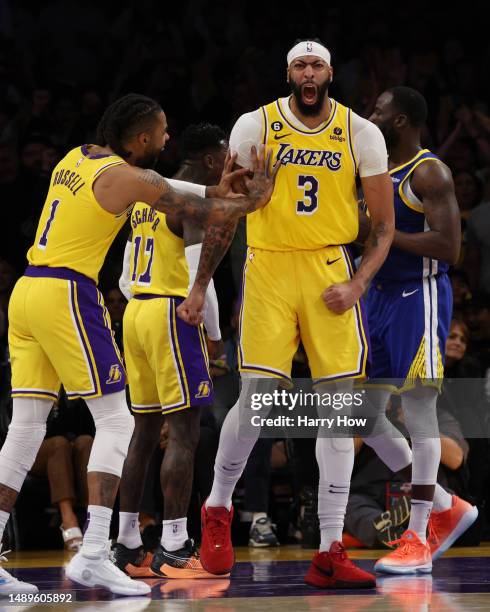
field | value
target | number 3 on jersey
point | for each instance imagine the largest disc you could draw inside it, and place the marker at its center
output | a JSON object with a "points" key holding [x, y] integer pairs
{"points": [[145, 278], [309, 184]]}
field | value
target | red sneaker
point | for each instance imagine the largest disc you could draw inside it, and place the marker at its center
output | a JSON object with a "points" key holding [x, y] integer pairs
{"points": [[217, 554], [334, 570], [446, 527]]}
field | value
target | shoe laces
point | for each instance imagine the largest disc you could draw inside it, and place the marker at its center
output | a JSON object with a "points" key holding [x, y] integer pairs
{"points": [[340, 554], [217, 528], [110, 565], [433, 528], [404, 548], [3, 554], [3, 558]]}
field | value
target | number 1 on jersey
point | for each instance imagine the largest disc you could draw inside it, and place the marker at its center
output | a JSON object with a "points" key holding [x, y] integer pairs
{"points": [[43, 241]]}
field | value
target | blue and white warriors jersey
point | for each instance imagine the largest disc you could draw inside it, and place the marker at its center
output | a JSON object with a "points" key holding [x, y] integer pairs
{"points": [[410, 300], [400, 265]]}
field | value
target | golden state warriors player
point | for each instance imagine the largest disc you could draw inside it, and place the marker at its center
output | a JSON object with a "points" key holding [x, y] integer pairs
{"points": [[409, 313], [299, 283], [167, 369], [59, 327]]}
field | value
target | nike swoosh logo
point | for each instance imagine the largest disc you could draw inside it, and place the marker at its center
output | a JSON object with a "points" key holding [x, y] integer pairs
{"points": [[277, 137], [405, 294], [329, 574], [329, 263]]}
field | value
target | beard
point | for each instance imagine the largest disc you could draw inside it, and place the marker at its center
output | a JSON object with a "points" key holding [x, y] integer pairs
{"points": [[310, 109], [149, 160], [391, 136]]}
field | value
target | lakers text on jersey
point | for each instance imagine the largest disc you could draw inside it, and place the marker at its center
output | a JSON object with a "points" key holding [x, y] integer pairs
{"points": [[295, 253]]}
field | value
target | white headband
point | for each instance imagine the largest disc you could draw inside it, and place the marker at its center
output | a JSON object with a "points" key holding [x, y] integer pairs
{"points": [[308, 47]]}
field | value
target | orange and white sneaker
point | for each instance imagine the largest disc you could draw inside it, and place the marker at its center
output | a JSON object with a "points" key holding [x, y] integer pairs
{"points": [[183, 563], [410, 557], [446, 527]]}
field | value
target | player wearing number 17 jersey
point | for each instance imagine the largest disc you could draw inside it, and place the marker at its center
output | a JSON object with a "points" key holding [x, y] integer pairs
{"points": [[299, 284], [59, 327]]}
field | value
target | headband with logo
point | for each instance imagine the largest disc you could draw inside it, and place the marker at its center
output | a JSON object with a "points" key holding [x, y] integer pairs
{"points": [[308, 47]]}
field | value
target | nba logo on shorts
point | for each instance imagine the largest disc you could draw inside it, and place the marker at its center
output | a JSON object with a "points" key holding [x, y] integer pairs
{"points": [[204, 389], [175, 528], [115, 374]]}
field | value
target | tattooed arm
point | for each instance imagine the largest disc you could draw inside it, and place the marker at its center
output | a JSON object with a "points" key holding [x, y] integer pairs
{"points": [[119, 187], [216, 241], [378, 193], [205, 211]]}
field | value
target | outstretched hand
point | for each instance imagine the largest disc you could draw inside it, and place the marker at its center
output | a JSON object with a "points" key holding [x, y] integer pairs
{"points": [[229, 176], [261, 184]]}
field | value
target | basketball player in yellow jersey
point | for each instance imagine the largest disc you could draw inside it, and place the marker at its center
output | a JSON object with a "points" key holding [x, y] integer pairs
{"points": [[59, 327], [167, 367], [299, 283]]}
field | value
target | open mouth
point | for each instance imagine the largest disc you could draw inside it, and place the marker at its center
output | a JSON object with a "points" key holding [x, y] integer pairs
{"points": [[309, 93]]}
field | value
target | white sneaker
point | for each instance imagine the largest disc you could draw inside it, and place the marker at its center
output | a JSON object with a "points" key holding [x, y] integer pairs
{"points": [[98, 570], [9, 584]]}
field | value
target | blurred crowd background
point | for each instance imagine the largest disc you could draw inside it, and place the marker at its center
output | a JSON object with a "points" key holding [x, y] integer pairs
{"points": [[62, 62]]}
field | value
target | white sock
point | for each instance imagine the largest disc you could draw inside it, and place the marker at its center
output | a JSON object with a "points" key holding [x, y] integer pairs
{"points": [[231, 459], [442, 499], [419, 517], [258, 515], [129, 530], [332, 502], [335, 458], [237, 440], [97, 532], [174, 534], [419, 410], [4, 517]]}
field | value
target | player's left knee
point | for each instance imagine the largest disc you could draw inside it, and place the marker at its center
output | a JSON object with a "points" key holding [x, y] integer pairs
{"points": [[342, 445], [114, 426]]}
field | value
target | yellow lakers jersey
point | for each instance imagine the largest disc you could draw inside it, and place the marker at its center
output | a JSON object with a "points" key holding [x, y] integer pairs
{"points": [[74, 230], [314, 203], [158, 263]]}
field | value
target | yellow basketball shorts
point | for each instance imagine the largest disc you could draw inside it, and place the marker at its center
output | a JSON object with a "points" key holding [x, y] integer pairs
{"points": [[166, 359], [282, 304], [60, 332]]}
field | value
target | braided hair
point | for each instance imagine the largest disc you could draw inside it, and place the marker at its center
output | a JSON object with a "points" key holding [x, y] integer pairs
{"points": [[123, 119]]}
